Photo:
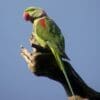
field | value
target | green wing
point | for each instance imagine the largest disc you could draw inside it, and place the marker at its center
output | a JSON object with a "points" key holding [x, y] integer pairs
{"points": [[51, 33]]}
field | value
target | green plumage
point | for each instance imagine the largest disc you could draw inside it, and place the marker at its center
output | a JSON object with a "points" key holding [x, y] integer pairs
{"points": [[48, 35]]}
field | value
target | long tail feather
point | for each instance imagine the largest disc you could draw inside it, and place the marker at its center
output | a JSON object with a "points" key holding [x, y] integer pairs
{"points": [[61, 65]]}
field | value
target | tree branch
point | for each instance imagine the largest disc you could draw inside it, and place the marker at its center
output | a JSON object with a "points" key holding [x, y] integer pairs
{"points": [[41, 62]]}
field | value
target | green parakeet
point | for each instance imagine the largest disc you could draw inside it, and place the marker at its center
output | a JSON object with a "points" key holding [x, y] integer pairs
{"points": [[48, 35]]}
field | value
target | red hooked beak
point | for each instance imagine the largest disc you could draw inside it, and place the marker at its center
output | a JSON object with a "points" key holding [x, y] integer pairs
{"points": [[26, 16]]}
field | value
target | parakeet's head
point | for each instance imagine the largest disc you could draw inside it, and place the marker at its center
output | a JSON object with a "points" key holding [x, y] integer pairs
{"points": [[32, 13]]}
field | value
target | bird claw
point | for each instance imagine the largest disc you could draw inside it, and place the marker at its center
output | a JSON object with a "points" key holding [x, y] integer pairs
{"points": [[32, 39]]}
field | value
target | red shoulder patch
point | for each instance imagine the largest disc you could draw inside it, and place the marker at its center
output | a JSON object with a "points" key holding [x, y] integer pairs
{"points": [[43, 22]]}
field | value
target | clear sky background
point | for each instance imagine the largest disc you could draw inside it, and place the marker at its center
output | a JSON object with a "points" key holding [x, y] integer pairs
{"points": [[79, 21]]}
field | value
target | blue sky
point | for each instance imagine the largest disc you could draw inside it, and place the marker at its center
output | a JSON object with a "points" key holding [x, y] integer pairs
{"points": [[79, 21]]}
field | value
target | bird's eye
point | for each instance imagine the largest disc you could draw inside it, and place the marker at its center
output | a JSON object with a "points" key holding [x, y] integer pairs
{"points": [[26, 16]]}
